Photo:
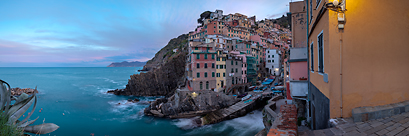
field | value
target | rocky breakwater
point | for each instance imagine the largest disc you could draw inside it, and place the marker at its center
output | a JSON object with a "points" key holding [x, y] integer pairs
{"points": [[187, 104], [18, 91], [159, 82]]}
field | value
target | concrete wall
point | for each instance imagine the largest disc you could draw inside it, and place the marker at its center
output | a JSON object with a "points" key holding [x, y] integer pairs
{"points": [[319, 107], [298, 24], [372, 27], [298, 70], [299, 88], [298, 53]]}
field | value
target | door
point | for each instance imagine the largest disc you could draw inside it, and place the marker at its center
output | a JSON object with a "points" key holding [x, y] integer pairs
{"points": [[222, 83], [313, 117]]}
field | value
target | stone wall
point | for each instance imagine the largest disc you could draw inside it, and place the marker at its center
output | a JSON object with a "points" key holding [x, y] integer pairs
{"points": [[286, 122]]}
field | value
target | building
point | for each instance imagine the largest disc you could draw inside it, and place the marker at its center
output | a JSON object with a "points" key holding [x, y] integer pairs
{"points": [[218, 14], [273, 62], [298, 55], [201, 67], [234, 65], [357, 57], [220, 70]]}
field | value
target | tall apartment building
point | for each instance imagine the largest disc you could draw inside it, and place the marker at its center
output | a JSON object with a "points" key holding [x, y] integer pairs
{"points": [[357, 58]]}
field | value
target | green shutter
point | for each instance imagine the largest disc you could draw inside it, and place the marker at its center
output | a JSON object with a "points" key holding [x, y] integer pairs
{"points": [[212, 56], [205, 55], [198, 74], [197, 56], [205, 74], [212, 74]]}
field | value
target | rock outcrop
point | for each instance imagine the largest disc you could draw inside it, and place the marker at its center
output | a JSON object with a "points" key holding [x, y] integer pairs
{"points": [[186, 104], [159, 82], [18, 91], [163, 55], [165, 72]]}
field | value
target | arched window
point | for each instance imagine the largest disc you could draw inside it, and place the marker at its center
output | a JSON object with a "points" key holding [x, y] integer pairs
{"points": [[201, 85], [207, 84]]}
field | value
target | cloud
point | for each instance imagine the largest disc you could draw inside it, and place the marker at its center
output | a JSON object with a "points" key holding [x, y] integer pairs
{"points": [[96, 33]]}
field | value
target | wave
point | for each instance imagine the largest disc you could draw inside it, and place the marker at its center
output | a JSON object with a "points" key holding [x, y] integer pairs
{"points": [[249, 124], [128, 111]]}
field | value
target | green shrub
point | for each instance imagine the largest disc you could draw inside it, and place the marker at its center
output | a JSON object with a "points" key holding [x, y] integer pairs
{"points": [[8, 130]]}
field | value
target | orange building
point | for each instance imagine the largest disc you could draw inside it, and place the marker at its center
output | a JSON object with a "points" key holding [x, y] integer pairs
{"points": [[357, 57]]}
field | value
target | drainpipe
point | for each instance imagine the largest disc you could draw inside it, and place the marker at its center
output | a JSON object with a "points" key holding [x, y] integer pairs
{"points": [[308, 61], [340, 70]]}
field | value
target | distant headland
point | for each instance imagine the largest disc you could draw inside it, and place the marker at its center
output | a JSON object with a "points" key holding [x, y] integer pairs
{"points": [[127, 64]]}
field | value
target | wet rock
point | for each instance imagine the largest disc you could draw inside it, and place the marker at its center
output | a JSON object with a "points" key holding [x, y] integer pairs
{"points": [[184, 105]]}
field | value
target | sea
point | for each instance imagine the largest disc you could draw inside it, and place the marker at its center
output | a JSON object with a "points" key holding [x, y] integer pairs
{"points": [[75, 99]]}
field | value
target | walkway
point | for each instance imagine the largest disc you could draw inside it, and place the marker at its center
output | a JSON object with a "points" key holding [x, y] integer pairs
{"points": [[397, 125], [222, 114]]}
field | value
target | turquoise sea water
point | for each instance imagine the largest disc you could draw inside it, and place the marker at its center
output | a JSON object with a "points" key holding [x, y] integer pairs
{"points": [[79, 93]]}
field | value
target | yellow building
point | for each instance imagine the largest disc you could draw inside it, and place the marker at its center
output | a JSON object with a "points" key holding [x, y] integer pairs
{"points": [[220, 69], [359, 58]]}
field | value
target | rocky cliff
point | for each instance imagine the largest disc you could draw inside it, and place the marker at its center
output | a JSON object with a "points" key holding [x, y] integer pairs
{"points": [[163, 55], [165, 72]]}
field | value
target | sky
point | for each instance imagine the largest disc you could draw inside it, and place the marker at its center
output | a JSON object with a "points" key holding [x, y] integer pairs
{"points": [[88, 33]]}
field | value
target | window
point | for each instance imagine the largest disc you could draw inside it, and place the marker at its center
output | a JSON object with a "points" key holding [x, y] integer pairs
{"points": [[232, 62], [320, 52], [217, 66], [205, 66], [273, 61], [221, 66], [272, 56], [236, 63], [207, 84], [268, 56], [201, 85], [212, 56], [196, 48], [197, 56], [236, 70], [312, 56], [310, 11], [232, 70], [217, 74], [198, 65], [212, 65], [198, 74], [205, 55], [205, 74], [212, 74], [269, 61], [224, 74]]}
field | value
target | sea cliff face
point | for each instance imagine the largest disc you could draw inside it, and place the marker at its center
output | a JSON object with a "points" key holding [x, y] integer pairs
{"points": [[165, 72]]}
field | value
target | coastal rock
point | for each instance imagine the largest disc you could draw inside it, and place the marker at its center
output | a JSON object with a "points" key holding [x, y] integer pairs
{"points": [[18, 91], [185, 105], [134, 100]]}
